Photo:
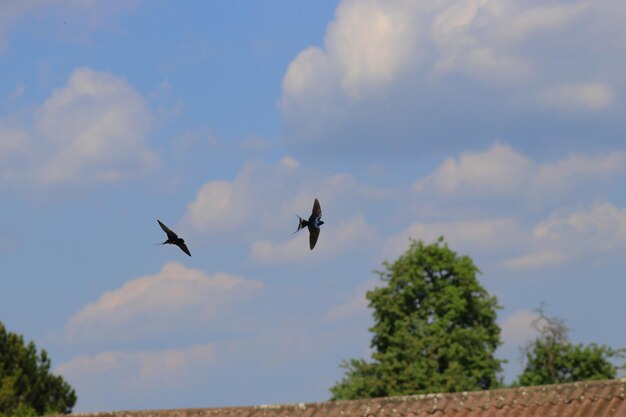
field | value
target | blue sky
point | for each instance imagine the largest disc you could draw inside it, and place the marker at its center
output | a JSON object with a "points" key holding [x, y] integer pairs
{"points": [[496, 124]]}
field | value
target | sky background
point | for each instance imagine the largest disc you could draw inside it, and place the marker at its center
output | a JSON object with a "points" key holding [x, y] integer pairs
{"points": [[495, 123]]}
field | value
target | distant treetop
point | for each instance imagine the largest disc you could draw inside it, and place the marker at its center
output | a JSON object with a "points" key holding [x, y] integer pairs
{"points": [[27, 387], [435, 329]]}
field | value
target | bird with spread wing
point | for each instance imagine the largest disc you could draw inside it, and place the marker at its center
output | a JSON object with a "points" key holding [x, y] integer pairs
{"points": [[313, 223], [173, 239]]}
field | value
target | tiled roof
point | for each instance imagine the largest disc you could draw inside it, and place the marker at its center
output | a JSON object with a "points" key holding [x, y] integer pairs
{"points": [[588, 399]]}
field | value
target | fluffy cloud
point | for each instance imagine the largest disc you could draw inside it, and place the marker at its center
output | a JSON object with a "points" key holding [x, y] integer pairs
{"points": [[518, 213], [517, 328], [603, 224], [251, 198], [133, 374], [515, 230], [403, 76], [564, 237], [461, 48], [214, 207], [149, 305], [262, 196], [501, 171], [96, 127], [143, 369], [91, 130], [490, 235], [567, 236], [213, 375], [367, 45], [370, 42], [525, 21]]}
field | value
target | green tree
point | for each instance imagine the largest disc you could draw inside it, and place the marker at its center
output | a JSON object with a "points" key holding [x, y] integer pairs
{"points": [[435, 329], [27, 387], [552, 359]]}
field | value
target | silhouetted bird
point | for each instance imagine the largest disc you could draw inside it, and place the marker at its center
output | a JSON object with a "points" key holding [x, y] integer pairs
{"points": [[173, 239], [314, 223]]}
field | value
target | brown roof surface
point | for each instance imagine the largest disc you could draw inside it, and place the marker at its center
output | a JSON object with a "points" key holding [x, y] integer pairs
{"points": [[588, 399]]}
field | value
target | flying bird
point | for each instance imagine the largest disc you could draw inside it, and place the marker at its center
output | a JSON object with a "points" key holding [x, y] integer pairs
{"points": [[173, 239], [313, 224]]}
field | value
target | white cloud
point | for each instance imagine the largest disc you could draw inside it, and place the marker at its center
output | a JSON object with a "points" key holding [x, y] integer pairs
{"points": [[305, 73], [571, 173], [286, 348], [352, 234], [263, 198], [368, 44], [404, 76], [525, 23], [152, 304], [501, 208], [516, 331], [501, 171], [96, 127], [569, 236], [517, 328], [371, 42], [250, 198], [564, 237], [471, 236], [604, 226], [136, 373], [588, 96], [214, 207], [93, 129], [456, 33]]}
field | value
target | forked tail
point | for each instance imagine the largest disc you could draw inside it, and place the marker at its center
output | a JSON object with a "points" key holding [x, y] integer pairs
{"points": [[301, 224]]}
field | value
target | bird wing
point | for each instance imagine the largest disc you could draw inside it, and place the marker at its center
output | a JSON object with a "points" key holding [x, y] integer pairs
{"points": [[183, 247], [314, 233], [170, 235], [317, 211]]}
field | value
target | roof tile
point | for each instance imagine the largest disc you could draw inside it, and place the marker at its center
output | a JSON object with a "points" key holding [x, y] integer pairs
{"points": [[594, 398]]}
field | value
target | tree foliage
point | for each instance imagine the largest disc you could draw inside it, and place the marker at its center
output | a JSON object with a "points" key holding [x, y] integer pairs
{"points": [[27, 387], [435, 329], [552, 359]]}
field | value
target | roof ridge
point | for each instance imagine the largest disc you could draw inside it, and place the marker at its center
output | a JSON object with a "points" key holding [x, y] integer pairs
{"points": [[537, 394], [501, 397], [418, 404], [485, 399]]}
